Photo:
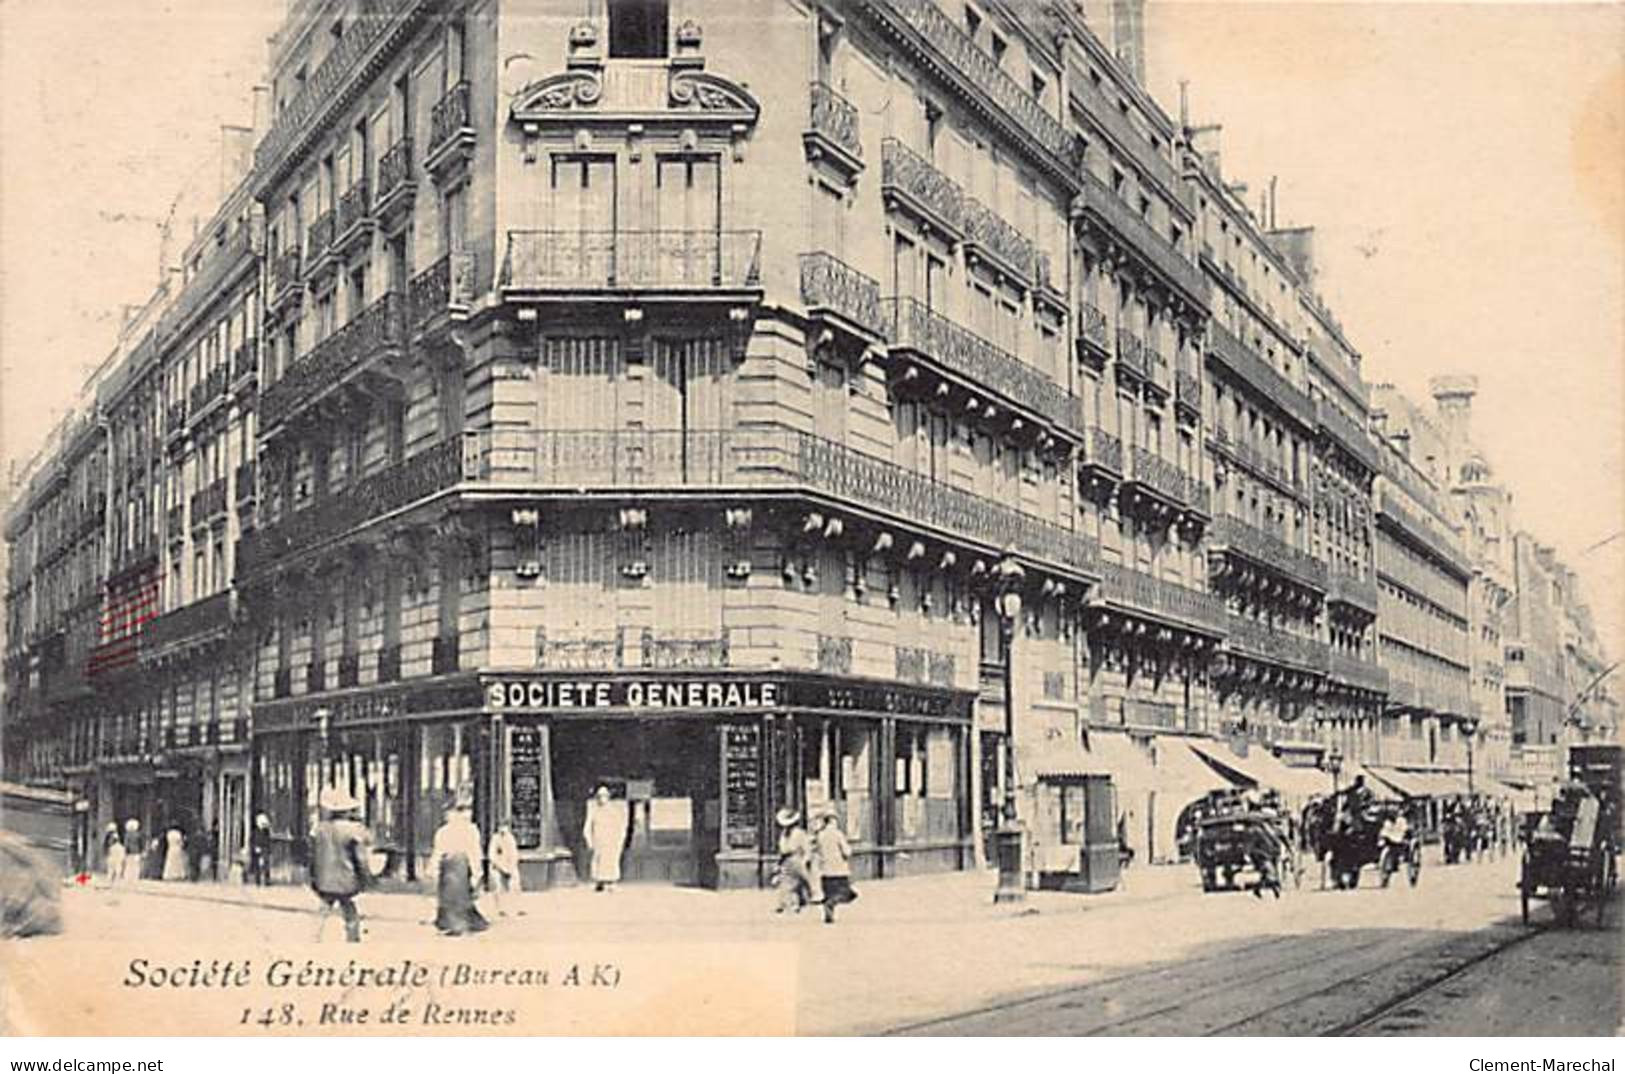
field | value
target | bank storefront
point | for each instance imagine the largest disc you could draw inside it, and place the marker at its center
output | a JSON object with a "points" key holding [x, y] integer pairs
{"points": [[700, 760]]}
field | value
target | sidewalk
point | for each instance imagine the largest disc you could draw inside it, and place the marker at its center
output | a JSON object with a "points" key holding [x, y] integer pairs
{"points": [[955, 896]]}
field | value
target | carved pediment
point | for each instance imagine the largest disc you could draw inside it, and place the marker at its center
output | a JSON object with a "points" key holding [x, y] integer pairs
{"points": [[635, 94], [565, 92], [705, 92]]}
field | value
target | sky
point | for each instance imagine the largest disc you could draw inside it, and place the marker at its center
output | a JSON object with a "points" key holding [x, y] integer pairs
{"points": [[1463, 165], [1464, 168]]}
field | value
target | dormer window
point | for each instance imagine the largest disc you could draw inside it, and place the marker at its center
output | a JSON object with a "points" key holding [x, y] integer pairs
{"points": [[638, 29]]}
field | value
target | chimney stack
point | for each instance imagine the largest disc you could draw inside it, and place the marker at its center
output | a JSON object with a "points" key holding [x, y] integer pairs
{"points": [[262, 111], [1128, 37]]}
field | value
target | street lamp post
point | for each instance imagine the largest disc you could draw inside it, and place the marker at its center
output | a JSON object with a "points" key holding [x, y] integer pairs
{"points": [[1010, 838], [1334, 765], [1469, 728]]}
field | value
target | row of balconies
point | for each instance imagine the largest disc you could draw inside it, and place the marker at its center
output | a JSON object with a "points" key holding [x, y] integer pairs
{"points": [[1141, 239], [1257, 639], [945, 45], [1229, 349], [201, 618], [1260, 463], [1266, 550], [204, 284], [1354, 439], [378, 328], [1138, 591], [1444, 544], [833, 125], [763, 457], [332, 82], [1358, 671], [969, 358], [1357, 592], [575, 261], [1107, 113]]}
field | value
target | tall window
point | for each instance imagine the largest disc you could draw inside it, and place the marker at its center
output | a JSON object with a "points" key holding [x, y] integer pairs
{"points": [[583, 194], [637, 29], [689, 214]]}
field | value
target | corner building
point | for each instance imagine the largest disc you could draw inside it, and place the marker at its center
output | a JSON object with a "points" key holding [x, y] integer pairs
{"points": [[620, 428]]}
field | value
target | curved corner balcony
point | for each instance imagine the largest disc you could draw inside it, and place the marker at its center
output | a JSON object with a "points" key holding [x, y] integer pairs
{"points": [[763, 460], [614, 266]]}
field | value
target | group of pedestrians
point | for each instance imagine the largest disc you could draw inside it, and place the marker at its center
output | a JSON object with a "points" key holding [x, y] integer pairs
{"points": [[813, 869], [127, 856], [340, 870]]}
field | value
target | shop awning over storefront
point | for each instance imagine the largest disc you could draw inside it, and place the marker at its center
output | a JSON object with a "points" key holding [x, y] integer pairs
{"points": [[1182, 775], [1262, 770], [1378, 784], [1056, 756], [1423, 783], [1127, 762]]}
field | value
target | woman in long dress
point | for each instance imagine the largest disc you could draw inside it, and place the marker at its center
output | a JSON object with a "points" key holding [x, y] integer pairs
{"points": [[605, 836], [456, 857], [175, 856], [113, 853], [134, 867]]}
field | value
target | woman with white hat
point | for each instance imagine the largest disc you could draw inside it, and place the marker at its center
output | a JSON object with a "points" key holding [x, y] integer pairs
{"points": [[832, 855], [132, 849], [794, 876]]}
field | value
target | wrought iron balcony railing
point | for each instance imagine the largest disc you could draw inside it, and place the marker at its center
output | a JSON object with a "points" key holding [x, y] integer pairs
{"points": [[1142, 240], [1358, 671], [1105, 451], [833, 123], [1444, 543], [632, 260], [1093, 334], [245, 361], [682, 651], [574, 651], [1135, 590], [378, 329], [445, 288], [207, 390], [353, 209], [349, 670], [1263, 377], [1345, 588], [318, 240], [417, 478], [1267, 550], [1188, 391], [924, 25], [209, 616], [830, 284], [971, 359], [285, 274], [764, 457], [1354, 438], [1131, 354], [334, 81], [1104, 111], [450, 118], [911, 179], [394, 171], [174, 419], [991, 237], [1159, 475], [1263, 641]]}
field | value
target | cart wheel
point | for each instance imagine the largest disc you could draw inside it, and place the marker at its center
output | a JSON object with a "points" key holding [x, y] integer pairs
{"points": [[1208, 883], [1413, 871], [1230, 878], [1523, 888]]}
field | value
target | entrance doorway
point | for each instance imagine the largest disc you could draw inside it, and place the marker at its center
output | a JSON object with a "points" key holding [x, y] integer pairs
{"points": [[666, 772]]}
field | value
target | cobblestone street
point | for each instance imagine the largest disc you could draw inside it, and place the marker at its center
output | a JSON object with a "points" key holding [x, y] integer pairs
{"points": [[934, 955]]}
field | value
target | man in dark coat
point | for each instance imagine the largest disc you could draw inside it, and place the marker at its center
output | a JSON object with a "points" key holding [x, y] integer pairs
{"points": [[338, 867]]}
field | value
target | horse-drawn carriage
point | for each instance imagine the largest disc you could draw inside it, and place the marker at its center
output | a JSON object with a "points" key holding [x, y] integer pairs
{"points": [[1237, 832], [1352, 830], [1570, 851]]}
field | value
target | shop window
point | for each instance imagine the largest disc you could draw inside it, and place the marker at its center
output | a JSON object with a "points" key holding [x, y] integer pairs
{"points": [[637, 29]]}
